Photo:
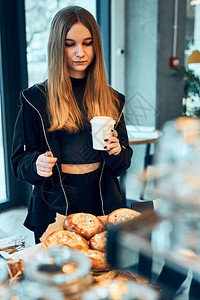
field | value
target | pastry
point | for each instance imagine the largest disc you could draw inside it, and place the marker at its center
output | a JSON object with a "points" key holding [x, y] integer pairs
{"points": [[124, 275], [103, 218], [98, 241], [121, 215], [98, 260], [115, 275], [87, 225], [66, 238]]}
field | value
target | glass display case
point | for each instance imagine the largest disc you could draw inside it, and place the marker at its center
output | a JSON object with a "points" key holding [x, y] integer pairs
{"points": [[164, 246]]}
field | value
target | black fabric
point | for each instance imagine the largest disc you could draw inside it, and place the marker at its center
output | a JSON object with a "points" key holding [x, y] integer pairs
{"points": [[76, 148], [38, 232], [83, 192], [32, 138]]}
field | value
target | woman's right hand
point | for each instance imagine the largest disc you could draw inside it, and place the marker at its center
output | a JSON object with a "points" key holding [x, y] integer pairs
{"points": [[45, 163]]}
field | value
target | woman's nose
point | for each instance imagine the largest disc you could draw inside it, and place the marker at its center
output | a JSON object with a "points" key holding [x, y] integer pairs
{"points": [[79, 51]]}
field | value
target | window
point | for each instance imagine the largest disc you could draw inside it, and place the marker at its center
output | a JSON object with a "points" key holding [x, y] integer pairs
{"points": [[192, 59], [37, 33], [2, 168]]}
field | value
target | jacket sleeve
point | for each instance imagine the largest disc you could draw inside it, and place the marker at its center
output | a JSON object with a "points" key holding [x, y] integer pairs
{"points": [[121, 162], [26, 147]]}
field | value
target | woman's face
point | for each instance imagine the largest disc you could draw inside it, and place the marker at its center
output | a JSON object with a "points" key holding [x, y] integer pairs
{"points": [[79, 50]]}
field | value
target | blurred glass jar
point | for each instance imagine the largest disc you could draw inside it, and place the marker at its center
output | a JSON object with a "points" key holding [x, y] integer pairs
{"points": [[68, 270], [3, 276], [3, 271], [178, 186], [27, 290], [177, 163]]}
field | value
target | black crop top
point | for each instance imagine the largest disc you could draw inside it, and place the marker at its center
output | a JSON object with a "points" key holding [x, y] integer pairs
{"points": [[76, 148]]}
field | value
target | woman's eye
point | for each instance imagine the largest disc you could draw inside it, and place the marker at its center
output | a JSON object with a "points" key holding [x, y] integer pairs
{"points": [[88, 43], [69, 44]]}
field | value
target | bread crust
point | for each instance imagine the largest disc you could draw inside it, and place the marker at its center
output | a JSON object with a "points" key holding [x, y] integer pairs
{"points": [[66, 238], [115, 275], [97, 259], [103, 218], [121, 215], [98, 241], [87, 225]]}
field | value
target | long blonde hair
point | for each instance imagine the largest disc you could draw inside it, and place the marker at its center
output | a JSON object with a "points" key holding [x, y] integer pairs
{"points": [[99, 98]]}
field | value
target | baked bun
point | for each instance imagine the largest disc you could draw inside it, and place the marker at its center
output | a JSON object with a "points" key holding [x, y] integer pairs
{"points": [[124, 275], [16, 267], [98, 241], [121, 215], [66, 238], [109, 275], [103, 218], [97, 259], [115, 275], [87, 225]]}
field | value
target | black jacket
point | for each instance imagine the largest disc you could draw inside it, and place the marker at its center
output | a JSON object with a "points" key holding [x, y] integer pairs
{"points": [[32, 138]]}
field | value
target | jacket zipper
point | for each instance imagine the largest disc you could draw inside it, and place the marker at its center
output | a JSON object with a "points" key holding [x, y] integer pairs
{"points": [[44, 132]]}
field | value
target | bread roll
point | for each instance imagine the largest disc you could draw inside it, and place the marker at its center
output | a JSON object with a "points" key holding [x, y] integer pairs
{"points": [[121, 215], [124, 275], [115, 275], [98, 241], [87, 225], [98, 260], [103, 218], [66, 238]]}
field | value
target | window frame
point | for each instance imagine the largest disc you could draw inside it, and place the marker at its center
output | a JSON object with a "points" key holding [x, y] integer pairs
{"points": [[13, 68], [103, 12]]}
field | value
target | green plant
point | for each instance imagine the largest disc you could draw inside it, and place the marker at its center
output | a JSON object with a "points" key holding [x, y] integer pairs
{"points": [[191, 82], [191, 97]]}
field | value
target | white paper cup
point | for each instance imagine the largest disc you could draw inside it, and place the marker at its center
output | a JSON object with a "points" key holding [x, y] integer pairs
{"points": [[101, 130]]}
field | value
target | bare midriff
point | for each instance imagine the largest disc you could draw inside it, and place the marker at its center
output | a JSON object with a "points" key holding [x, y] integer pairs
{"points": [[79, 169]]}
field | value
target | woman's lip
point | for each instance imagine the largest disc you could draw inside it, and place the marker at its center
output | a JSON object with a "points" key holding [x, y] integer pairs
{"points": [[80, 62]]}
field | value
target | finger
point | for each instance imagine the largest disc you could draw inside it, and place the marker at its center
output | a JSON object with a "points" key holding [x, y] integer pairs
{"points": [[48, 159], [112, 148], [115, 151], [45, 174], [45, 170], [114, 133], [49, 153], [44, 167], [111, 140]]}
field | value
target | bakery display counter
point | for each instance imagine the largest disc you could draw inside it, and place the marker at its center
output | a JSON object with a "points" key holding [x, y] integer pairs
{"points": [[77, 272], [136, 253], [146, 247]]}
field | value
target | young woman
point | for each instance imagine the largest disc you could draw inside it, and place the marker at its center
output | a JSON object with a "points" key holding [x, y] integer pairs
{"points": [[52, 143]]}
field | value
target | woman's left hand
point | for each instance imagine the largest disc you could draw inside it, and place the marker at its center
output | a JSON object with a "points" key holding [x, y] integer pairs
{"points": [[113, 146]]}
